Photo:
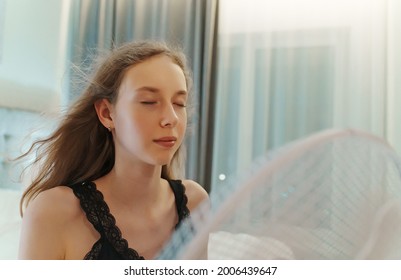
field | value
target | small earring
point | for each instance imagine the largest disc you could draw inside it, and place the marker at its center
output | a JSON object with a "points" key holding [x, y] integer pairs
{"points": [[109, 128]]}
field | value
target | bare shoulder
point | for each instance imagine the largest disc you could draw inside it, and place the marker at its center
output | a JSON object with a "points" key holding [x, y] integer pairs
{"points": [[44, 222], [57, 202], [196, 194]]}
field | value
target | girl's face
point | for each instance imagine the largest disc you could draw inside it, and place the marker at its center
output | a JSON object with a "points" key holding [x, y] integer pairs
{"points": [[150, 116]]}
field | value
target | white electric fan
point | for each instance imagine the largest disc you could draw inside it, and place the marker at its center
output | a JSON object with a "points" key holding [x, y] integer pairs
{"points": [[333, 195]]}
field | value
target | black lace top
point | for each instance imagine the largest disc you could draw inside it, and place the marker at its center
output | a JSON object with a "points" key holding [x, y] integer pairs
{"points": [[111, 245]]}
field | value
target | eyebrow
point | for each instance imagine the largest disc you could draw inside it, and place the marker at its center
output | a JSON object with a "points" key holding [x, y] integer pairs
{"points": [[156, 90]]}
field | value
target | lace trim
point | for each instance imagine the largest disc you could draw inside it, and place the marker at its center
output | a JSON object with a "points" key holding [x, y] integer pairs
{"points": [[95, 251], [182, 209], [98, 214]]}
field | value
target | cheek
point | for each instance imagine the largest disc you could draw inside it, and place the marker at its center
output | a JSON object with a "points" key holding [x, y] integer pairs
{"points": [[127, 123], [182, 127], [182, 119], [137, 124]]}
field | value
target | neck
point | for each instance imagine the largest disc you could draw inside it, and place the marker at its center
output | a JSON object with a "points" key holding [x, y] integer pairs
{"points": [[139, 184]]}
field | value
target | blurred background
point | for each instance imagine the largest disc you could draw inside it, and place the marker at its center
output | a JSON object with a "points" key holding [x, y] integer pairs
{"points": [[266, 72]]}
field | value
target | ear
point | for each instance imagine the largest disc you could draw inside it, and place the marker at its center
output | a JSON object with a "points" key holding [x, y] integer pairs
{"points": [[104, 111]]}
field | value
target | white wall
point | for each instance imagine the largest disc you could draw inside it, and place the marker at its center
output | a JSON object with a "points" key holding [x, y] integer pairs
{"points": [[34, 50], [33, 53]]}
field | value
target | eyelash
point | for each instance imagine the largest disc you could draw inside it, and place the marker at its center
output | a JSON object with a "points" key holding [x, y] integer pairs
{"points": [[154, 102]]}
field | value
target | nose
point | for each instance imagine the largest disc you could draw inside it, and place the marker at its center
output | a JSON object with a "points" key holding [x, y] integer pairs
{"points": [[169, 117]]}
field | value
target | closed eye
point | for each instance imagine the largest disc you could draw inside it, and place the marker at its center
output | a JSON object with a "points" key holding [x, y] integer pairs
{"points": [[181, 105], [148, 102]]}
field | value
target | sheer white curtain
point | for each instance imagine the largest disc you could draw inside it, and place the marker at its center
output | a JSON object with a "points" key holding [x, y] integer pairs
{"points": [[393, 112], [288, 68]]}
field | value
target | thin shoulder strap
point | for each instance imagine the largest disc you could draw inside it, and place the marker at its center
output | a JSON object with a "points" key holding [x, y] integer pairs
{"points": [[98, 214], [181, 199], [90, 199]]}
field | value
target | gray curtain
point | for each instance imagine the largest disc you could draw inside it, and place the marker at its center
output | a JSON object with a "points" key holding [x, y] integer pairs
{"points": [[190, 24]]}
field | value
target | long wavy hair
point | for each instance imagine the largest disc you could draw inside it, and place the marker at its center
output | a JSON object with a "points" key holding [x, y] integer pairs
{"points": [[81, 148]]}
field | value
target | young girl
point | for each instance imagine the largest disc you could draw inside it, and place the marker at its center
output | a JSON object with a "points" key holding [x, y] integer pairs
{"points": [[105, 188]]}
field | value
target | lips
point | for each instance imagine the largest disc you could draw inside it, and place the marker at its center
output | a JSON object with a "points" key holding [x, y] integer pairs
{"points": [[167, 142]]}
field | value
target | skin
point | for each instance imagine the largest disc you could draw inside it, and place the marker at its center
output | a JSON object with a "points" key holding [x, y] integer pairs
{"points": [[150, 105]]}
